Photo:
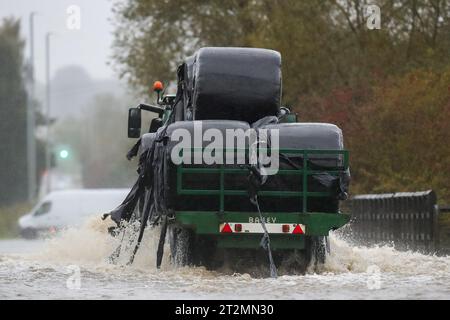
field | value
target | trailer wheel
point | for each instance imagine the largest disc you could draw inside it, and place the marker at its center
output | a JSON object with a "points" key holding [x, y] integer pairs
{"points": [[181, 242], [206, 254], [292, 261], [188, 249], [29, 233], [316, 250]]}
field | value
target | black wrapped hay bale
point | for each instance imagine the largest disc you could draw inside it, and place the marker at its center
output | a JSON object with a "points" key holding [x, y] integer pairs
{"points": [[202, 181], [307, 136], [236, 84]]}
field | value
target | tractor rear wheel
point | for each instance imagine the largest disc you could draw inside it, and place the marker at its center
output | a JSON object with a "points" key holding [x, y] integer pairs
{"points": [[182, 242], [189, 249]]}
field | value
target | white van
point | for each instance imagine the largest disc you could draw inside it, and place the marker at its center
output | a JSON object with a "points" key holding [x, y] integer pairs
{"points": [[69, 208]]}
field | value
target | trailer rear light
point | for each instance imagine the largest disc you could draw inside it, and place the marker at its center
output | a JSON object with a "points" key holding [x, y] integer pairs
{"points": [[286, 228], [298, 230], [226, 229], [238, 227]]}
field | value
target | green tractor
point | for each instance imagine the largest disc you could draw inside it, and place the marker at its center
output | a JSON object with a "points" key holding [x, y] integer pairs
{"points": [[203, 177]]}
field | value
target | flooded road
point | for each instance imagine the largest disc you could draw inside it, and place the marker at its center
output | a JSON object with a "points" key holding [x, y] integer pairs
{"points": [[74, 266]]}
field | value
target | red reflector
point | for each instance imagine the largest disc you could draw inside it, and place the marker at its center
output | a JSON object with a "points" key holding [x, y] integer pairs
{"points": [[297, 230], [286, 228], [238, 227], [226, 228]]}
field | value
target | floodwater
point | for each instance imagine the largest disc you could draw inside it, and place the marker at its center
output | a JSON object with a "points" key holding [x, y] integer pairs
{"points": [[74, 265]]}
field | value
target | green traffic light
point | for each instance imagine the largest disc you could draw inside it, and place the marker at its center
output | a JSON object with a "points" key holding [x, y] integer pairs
{"points": [[64, 154]]}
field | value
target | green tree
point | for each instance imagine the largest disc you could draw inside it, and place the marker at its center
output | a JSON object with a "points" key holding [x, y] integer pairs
{"points": [[403, 141], [12, 114]]}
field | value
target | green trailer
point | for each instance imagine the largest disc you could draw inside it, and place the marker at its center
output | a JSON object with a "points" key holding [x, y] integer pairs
{"points": [[202, 234]]}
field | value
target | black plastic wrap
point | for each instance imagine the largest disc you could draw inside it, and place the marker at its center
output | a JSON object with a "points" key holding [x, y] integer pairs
{"points": [[236, 84], [308, 136], [200, 181], [311, 136], [146, 142]]}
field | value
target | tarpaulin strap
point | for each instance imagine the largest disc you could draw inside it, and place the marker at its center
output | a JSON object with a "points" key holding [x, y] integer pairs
{"points": [[337, 185], [134, 150], [265, 121], [256, 180], [144, 219], [265, 242], [162, 241], [125, 210], [344, 182]]}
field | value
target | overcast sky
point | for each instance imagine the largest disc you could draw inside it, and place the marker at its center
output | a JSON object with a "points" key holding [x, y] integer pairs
{"points": [[89, 47]]}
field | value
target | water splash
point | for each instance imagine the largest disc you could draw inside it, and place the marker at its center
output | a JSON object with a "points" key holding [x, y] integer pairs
{"points": [[91, 245], [346, 257]]}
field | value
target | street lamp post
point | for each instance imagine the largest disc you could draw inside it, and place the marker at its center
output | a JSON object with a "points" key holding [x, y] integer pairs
{"points": [[47, 111], [31, 122]]}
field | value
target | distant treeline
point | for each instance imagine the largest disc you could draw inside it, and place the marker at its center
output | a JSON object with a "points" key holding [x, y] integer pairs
{"points": [[388, 88]]}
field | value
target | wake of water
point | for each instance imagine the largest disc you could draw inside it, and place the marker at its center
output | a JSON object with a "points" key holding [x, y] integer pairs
{"points": [[91, 245]]}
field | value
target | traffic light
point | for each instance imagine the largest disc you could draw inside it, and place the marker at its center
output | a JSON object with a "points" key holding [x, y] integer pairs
{"points": [[64, 154]]}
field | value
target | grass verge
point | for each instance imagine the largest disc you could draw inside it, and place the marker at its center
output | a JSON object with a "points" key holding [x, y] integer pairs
{"points": [[8, 219]]}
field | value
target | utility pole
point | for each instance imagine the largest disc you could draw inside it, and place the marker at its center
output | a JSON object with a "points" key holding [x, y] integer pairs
{"points": [[31, 120], [48, 151]]}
